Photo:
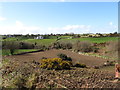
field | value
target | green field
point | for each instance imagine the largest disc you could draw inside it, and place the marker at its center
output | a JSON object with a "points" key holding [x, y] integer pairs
{"points": [[48, 42], [40, 41], [93, 40], [64, 39]]}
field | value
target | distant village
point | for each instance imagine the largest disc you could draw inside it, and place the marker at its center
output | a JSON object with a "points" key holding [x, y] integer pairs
{"points": [[48, 36]]}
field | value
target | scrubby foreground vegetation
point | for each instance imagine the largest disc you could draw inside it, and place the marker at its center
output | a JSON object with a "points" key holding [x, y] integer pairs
{"points": [[60, 61], [30, 75]]}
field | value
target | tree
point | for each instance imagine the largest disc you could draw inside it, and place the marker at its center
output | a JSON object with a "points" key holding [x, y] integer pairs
{"points": [[115, 33], [11, 45]]}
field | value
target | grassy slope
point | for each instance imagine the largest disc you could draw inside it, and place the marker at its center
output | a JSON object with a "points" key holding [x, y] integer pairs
{"points": [[94, 40], [64, 38], [47, 42], [50, 41], [41, 41]]}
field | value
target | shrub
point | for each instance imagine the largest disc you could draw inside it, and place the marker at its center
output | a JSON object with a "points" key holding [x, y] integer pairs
{"points": [[41, 47], [64, 57], [112, 49], [10, 45], [25, 45], [83, 46], [65, 65], [80, 65], [62, 45], [56, 45], [55, 63], [44, 57], [95, 50], [109, 63], [113, 46], [66, 45]]}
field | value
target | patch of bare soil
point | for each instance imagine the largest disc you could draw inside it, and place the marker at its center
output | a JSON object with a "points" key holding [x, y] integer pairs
{"points": [[81, 78], [88, 60], [41, 78]]}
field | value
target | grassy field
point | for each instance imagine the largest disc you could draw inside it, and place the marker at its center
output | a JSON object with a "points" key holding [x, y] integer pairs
{"points": [[50, 41], [65, 38], [40, 41], [93, 40]]}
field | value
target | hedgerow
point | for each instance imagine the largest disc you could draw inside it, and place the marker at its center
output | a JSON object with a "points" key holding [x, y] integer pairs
{"points": [[80, 65]]}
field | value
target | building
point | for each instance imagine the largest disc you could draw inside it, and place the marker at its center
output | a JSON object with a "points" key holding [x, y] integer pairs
{"points": [[39, 37]]}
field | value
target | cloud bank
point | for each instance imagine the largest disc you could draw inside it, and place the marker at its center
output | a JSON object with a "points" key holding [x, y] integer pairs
{"points": [[20, 28], [2, 18]]}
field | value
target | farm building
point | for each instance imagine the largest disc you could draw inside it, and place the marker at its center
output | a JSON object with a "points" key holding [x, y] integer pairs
{"points": [[39, 37]]}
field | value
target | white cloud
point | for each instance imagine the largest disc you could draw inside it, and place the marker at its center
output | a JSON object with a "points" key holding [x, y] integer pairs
{"points": [[71, 28], [19, 28], [19, 24], [2, 18], [111, 23], [62, 0], [109, 28]]}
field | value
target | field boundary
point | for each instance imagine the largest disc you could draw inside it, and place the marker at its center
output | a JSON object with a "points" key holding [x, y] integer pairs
{"points": [[28, 52]]}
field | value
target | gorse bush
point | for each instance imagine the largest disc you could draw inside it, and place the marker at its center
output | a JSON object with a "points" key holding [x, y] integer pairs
{"points": [[64, 57], [55, 63]]}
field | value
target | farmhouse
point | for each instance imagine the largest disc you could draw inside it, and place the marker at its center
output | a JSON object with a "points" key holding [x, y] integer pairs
{"points": [[70, 38], [39, 37]]}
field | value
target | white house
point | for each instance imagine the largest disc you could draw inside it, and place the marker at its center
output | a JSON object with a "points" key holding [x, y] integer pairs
{"points": [[39, 37]]}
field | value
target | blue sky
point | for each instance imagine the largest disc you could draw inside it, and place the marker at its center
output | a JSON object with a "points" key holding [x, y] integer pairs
{"points": [[58, 17]]}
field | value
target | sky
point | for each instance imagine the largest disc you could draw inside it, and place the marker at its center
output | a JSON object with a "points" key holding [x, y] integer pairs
{"points": [[58, 17]]}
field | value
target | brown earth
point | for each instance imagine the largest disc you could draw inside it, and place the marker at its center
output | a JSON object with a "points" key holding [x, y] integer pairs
{"points": [[74, 78], [88, 60]]}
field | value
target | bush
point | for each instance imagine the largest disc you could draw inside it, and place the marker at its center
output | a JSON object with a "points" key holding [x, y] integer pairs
{"points": [[41, 47], [95, 50], [80, 65], [113, 46], [83, 46], [55, 63], [44, 57], [66, 45], [109, 63], [62, 45], [10, 45], [56, 45], [112, 49], [64, 57], [65, 65], [25, 45]]}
